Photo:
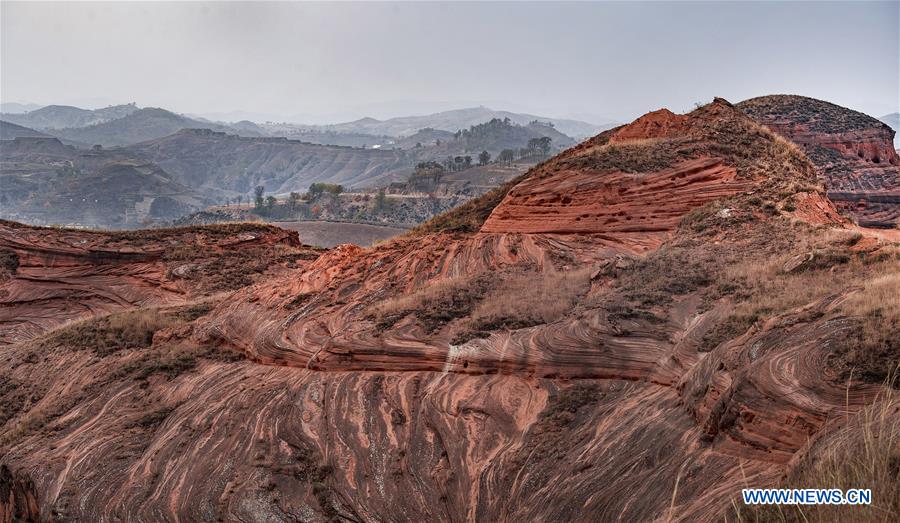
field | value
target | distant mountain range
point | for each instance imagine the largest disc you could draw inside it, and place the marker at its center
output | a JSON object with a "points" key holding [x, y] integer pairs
{"points": [[129, 124], [65, 116], [460, 119], [12, 107], [116, 125]]}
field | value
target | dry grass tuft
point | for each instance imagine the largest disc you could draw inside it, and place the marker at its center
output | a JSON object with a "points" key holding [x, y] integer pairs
{"points": [[110, 334], [434, 305], [528, 299], [872, 348], [490, 301], [863, 454]]}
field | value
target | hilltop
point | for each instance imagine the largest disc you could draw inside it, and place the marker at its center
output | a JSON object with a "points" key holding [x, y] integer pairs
{"points": [[9, 131], [853, 153], [204, 158], [138, 126], [65, 116], [457, 119], [634, 329]]}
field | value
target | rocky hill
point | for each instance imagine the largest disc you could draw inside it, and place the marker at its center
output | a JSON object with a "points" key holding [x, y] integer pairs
{"points": [[632, 330], [139, 126], [9, 131], [854, 153], [203, 158], [54, 117], [43, 181]]}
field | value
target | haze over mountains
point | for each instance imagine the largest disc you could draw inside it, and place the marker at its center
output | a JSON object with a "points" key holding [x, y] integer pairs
{"points": [[208, 161], [460, 119]]}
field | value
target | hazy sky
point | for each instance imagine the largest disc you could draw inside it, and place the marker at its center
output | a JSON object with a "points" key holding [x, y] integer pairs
{"points": [[346, 60]]}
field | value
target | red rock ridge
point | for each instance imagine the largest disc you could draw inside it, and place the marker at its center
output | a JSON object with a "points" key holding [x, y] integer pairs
{"points": [[854, 153], [64, 275], [636, 209], [662, 123]]}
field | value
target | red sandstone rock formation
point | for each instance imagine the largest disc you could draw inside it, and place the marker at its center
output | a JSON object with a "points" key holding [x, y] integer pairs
{"points": [[854, 153], [342, 411], [69, 274]]}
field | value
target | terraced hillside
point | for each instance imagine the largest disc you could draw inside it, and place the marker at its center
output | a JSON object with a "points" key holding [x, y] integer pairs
{"points": [[203, 158], [44, 182]]}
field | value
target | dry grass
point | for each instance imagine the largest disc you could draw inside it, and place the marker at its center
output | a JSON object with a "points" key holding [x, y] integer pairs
{"points": [[110, 334], [528, 299], [490, 301], [880, 295], [863, 454], [761, 289], [132, 329], [435, 304], [872, 348]]}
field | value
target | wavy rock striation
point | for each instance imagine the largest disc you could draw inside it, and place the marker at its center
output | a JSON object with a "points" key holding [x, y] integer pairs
{"points": [[70, 274], [383, 385]]}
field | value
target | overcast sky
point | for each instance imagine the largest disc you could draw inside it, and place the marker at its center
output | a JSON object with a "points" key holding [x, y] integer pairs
{"points": [[347, 60]]}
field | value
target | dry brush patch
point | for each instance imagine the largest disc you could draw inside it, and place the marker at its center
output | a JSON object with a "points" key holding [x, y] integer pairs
{"points": [[524, 300], [511, 299], [872, 348], [862, 454], [762, 287], [113, 333], [435, 304]]}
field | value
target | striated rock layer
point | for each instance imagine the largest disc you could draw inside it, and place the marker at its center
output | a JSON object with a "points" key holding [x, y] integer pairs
{"points": [[853, 153], [69, 274], [383, 384]]}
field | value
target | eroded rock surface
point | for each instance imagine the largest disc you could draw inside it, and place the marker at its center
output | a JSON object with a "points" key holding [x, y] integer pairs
{"points": [[376, 385], [853, 153]]}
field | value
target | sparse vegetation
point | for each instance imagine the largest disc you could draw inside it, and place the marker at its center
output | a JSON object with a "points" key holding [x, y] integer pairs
{"points": [[526, 299], [470, 216], [9, 261], [435, 304], [512, 300], [118, 331], [865, 453], [871, 350]]}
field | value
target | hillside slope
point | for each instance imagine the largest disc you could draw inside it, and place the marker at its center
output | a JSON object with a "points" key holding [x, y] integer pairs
{"points": [[139, 126], [854, 153], [455, 120], [530, 357], [202, 158], [43, 182], [10, 131], [54, 117]]}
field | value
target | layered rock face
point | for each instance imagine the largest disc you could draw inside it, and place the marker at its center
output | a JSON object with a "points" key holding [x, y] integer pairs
{"points": [[550, 367], [854, 153], [60, 276]]}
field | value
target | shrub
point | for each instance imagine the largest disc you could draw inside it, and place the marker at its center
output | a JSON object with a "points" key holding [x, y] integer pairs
{"points": [[9, 260], [118, 331]]}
